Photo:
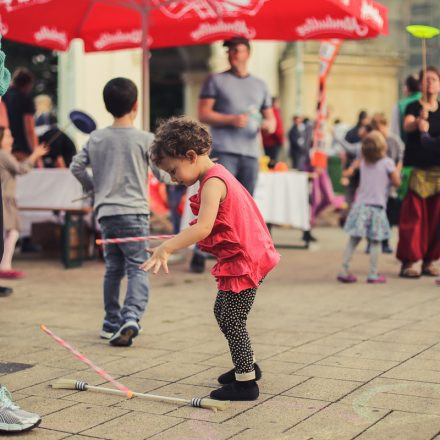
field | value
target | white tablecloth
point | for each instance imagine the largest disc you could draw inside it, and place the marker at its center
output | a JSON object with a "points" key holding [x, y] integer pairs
{"points": [[282, 197], [46, 188]]}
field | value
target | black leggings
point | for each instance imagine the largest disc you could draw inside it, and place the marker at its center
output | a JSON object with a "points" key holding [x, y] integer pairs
{"points": [[231, 310]]}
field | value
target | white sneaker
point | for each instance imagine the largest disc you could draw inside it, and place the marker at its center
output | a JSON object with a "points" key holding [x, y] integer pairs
{"points": [[125, 335], [12, 417]]}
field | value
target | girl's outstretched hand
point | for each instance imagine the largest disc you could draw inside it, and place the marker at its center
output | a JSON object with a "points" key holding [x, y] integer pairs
{"points": [[159, 258]]}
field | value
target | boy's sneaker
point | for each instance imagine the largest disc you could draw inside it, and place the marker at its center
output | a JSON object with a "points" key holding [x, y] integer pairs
{"points": [[12, 417], [229, 377], [125, 335], [237, 391], [108, 329]]}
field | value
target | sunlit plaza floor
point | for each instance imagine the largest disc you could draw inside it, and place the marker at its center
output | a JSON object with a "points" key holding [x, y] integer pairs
{"points": [[339, 361]]}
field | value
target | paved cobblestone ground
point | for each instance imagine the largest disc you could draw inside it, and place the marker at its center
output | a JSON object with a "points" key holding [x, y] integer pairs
{"points": [[339, 361]]}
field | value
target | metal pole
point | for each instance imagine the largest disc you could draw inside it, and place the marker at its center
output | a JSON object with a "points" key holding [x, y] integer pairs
{"points": [[299, 76], [424, 84], [145, 71]]}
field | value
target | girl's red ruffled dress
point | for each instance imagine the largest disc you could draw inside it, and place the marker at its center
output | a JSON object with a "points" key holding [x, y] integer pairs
{"points": [[239, 239]]}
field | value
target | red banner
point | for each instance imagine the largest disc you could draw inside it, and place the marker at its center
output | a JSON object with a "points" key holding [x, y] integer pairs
{"points": [[327, 54]]}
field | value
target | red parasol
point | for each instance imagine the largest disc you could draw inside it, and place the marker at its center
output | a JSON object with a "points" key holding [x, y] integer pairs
{"points": [[120, 24]]}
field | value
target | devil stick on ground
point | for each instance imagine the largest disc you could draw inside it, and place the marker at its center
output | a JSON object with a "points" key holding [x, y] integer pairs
{"points": [[207, 403], [121, 389]]}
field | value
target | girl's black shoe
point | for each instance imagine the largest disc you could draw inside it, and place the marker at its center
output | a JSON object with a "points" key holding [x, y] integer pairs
{"points": [[247, 390], [229, 377]]}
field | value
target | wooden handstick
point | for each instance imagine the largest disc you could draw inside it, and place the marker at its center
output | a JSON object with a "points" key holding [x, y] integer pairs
{"points": [[79, 385]]}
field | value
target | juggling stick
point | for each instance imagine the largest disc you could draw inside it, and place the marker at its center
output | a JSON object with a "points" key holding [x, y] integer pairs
{"points": [[423, 32], [83, 197], [214, 405], [123, 389], [131, 239]]}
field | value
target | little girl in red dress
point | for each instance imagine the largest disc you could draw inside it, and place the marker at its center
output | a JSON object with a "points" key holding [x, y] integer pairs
{"points": [[229, 226]]}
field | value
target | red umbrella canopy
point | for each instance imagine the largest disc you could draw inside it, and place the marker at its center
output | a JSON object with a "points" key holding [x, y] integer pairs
{"points": [[119, 24]]}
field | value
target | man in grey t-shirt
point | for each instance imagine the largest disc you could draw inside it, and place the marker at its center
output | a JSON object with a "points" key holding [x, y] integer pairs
{"points": [[236, 105]]}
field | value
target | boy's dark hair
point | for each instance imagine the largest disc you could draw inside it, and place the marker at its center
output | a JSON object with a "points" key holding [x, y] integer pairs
{"points": [[120, 96], [176, 136], [22, 77], [374, 147]]}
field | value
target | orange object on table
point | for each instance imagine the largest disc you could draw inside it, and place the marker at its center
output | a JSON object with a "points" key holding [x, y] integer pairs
{"points": [[319, 159]]}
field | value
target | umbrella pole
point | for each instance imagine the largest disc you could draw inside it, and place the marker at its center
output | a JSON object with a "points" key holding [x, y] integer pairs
{"points": [[145, 72]]}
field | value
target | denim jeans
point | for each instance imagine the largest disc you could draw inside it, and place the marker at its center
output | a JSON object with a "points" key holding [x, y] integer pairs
{"points": [[124, 259], [174, 196], [244, 168]]}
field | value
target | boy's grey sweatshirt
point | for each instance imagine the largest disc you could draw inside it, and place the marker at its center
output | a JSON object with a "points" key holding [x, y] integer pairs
{"points": [[119, 159]]}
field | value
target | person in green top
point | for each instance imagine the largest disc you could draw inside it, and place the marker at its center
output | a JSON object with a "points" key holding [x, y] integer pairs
{"points": [[412, 93]]}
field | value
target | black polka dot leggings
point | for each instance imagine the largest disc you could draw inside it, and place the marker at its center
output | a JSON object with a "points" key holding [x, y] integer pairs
{"points": [[231, 310]]}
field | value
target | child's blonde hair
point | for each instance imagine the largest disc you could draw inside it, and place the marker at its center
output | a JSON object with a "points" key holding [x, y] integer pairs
{"points": [[379, 119], [374, 146]]}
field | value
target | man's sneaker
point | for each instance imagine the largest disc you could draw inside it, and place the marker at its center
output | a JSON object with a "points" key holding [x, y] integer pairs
{"points": [[237, 391], [229, 377], [125, 335], [108, 329], [12, 417]]}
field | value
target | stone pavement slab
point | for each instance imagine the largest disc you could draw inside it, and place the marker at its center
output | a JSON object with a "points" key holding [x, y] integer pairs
{"points": [[397, 425], [336, 421], [339, 362]]}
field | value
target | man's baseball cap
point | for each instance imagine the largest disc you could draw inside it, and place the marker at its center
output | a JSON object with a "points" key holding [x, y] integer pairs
{"points": [[235, 41]]}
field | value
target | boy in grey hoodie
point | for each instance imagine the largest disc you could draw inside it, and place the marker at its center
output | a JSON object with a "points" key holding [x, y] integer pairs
{"points": [[118, 157]]}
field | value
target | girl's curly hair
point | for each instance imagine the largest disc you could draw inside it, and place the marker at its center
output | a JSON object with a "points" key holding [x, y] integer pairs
{"points": [[176, 136]]}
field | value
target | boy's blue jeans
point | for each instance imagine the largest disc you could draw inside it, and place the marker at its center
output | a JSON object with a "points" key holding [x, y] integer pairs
{"points": [[124, 259]]}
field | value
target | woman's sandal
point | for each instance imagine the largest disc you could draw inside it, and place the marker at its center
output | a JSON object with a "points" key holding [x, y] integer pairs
{"points": [[409, 272], [430, 271]]}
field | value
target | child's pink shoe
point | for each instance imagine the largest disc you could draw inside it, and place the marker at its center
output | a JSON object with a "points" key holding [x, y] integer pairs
{"points": [[380, 279], [11, 274], [437, 281], [346, 278]]}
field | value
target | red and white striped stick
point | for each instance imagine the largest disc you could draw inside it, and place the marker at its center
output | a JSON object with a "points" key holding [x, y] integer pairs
{"points": [[130, 239], [88, 362]]}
